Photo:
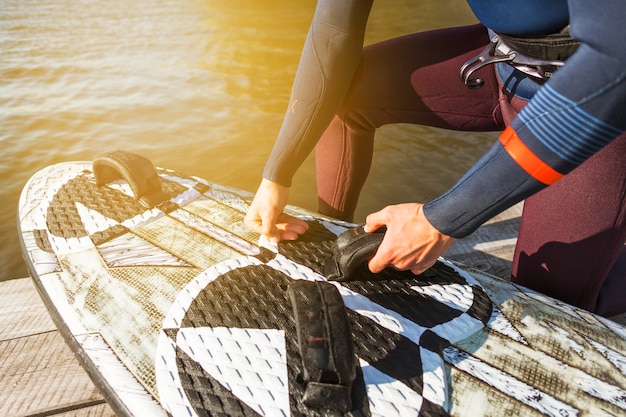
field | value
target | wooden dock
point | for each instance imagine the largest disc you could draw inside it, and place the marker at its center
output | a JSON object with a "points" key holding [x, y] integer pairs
{"points": [[40, 376]]}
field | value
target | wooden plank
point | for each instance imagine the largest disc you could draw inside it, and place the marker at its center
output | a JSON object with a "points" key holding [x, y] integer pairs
{"points": [[22, 313], [39, 375], [99, 409]]}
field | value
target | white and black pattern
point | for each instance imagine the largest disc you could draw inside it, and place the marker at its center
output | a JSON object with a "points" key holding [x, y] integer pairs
{"points": [[192, 305], [229, 347]]}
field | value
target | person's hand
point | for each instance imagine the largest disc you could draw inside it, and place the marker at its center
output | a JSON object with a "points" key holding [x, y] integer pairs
{"points": [[410, 242], [266, 214]]}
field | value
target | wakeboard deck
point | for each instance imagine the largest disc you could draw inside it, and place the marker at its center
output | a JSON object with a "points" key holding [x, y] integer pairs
{"points": [[180, 310]]}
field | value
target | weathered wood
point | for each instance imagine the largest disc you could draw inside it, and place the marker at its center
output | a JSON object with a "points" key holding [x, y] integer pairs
{"points": [[99, 409], [22, 313], [490, 249], [39, 375]]}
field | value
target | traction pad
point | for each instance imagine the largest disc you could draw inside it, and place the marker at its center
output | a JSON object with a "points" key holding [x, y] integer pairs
{"points": [[256, 296], [325, 344], [227, 342], [394, 327]]}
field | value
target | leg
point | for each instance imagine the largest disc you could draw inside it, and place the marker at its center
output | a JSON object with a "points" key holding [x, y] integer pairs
{"points": [[571, 239], [412, 79]]}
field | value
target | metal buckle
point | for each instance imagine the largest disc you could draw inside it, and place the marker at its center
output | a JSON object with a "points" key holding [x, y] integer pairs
{"points": [[499, 51], [486, 57]]}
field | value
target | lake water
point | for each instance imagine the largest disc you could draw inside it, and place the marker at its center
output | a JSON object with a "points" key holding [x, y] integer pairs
{"points": [[199, 86]]}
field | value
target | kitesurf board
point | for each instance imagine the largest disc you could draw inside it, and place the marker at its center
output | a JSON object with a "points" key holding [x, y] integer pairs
{"points": [[178, 309]]}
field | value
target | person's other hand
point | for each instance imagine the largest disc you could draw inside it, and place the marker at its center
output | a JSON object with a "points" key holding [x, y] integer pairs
{"points": [[410, 242], [266, 215]]}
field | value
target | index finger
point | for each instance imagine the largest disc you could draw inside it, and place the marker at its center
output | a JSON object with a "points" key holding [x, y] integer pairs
{"points": [[375, 220]]}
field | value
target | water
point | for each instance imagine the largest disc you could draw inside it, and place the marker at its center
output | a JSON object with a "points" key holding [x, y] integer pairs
{"points": [[199, 86]]}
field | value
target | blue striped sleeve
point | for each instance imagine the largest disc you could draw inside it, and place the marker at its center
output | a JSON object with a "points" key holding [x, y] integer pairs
{"points": [[564, 127]]}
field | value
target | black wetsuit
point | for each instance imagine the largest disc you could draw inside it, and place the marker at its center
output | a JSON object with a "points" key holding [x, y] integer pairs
{"points": [[580, 110]]}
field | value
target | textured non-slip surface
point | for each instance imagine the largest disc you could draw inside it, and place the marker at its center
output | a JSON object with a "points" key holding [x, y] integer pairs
{"points": [[181, 309], [253, 299], [39, 374]]}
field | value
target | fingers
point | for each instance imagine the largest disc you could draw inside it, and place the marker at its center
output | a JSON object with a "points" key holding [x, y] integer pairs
{"points": [[266, 214], [289, 227], [377, 265], [392, 255], [385, 255], [277, 231], [372, 222], [420, 269], [375, 221], [292, 223], [269, 229], [283, 227], [410, 243], [262, 223], [389, 257]]}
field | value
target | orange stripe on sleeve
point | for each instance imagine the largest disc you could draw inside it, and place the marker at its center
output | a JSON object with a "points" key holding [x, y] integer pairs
{"points": [[526, 158]]}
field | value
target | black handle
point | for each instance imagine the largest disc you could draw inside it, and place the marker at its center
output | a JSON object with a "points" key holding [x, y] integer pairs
{"points": [[351, 249], [136, 170]]}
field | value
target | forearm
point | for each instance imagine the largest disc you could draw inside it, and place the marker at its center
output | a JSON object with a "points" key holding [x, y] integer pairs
{"points": [[329, 60], [578, 112], [494, 184]]}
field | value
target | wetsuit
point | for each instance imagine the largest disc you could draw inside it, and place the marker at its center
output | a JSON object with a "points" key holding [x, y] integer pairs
{"points": [[342, 94]]}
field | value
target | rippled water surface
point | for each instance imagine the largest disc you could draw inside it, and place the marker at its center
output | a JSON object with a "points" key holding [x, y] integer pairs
{"points": [[197, 86]]}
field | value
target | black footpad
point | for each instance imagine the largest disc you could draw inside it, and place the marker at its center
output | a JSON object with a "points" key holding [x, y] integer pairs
{"points": [[325, 344], [350, 250]]}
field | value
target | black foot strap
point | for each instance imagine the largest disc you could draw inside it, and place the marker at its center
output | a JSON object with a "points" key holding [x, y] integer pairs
{"points": [[136, 170], [325, 344], [350, 250]]}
